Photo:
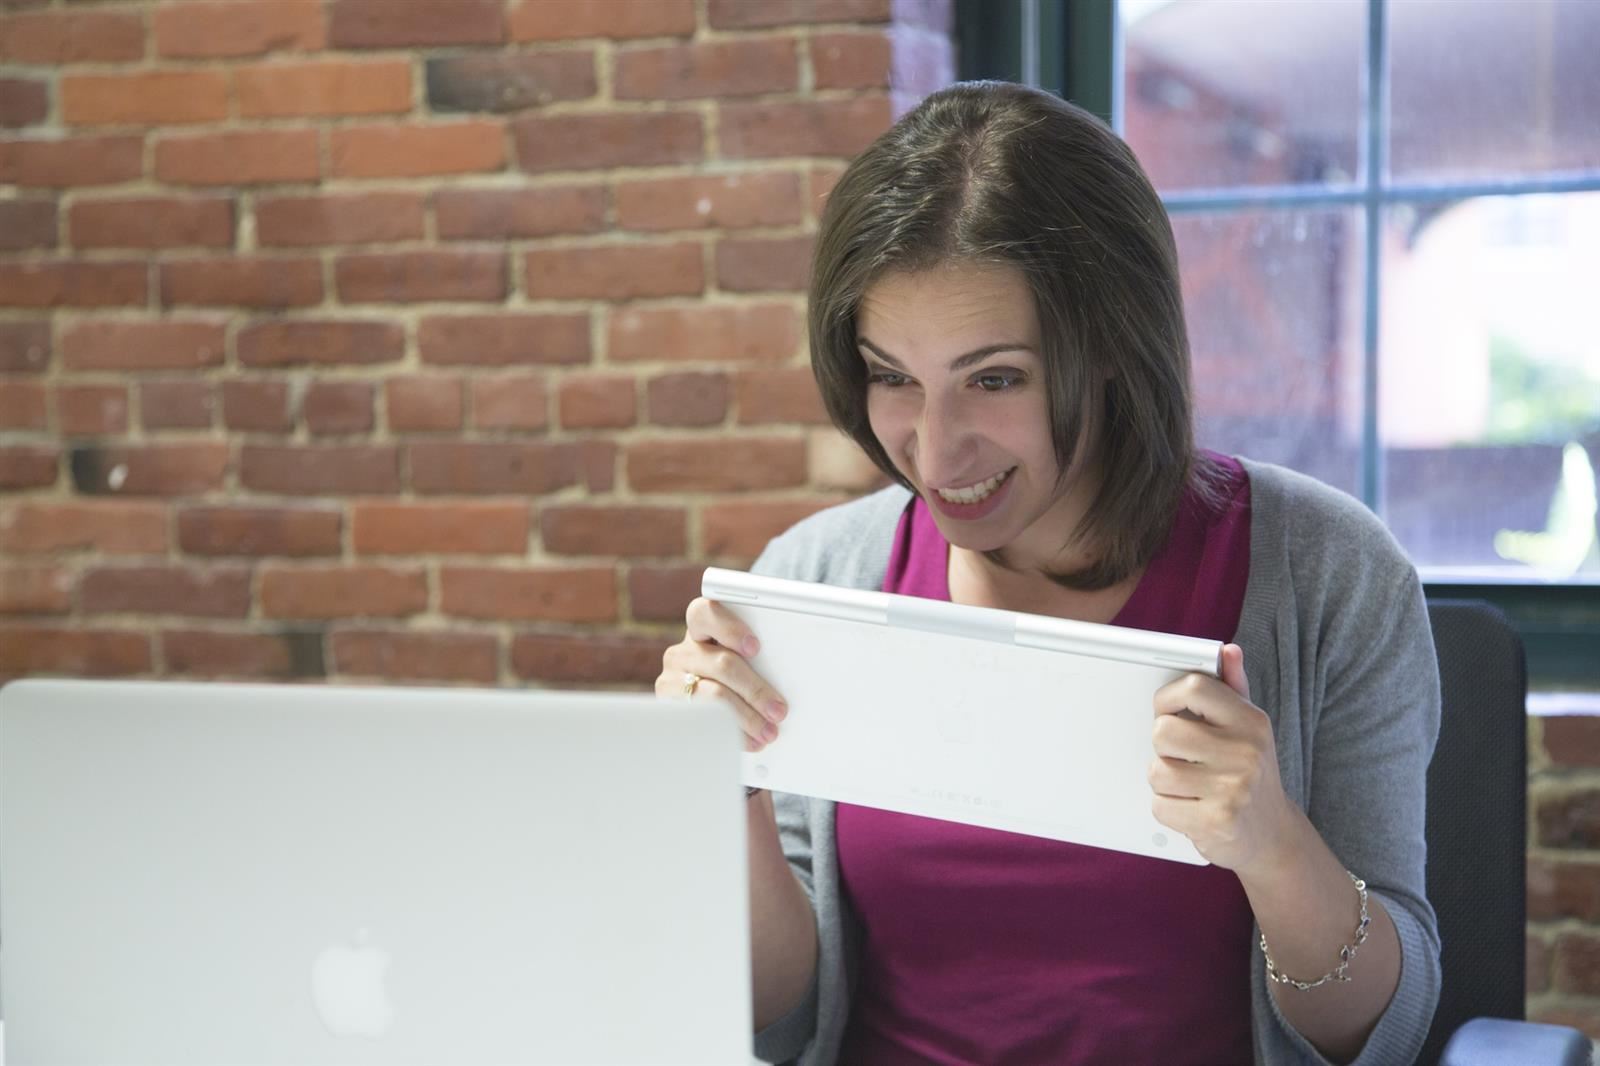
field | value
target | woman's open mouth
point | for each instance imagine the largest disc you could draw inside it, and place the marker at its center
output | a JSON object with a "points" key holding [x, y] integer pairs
{"points": [[972, 501]]}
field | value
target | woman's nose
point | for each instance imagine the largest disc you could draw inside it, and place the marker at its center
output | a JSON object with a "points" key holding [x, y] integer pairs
{"points": [[943, 442]]}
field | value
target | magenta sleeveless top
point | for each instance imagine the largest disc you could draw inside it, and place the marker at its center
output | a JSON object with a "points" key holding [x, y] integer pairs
{"points": [[981, 946]]}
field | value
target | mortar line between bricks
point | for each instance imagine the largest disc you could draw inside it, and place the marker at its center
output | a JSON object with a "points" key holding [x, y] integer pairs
{"points": [[605, 76]]}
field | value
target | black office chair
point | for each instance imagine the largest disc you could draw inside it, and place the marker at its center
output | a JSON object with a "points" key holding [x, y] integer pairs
{"points": [[1477, 849]]}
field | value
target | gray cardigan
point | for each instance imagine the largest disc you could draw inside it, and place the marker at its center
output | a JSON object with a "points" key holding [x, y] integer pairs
{"points": [[1338, 652]]}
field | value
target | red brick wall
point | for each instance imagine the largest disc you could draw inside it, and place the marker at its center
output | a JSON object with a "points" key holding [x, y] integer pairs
{"points": [[413, 340], [1564, 871]]}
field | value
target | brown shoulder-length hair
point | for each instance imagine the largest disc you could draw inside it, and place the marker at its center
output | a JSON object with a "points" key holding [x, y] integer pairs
{"points": [[991, 172]]}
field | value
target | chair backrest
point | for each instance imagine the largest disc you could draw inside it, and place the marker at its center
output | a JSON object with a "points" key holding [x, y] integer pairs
{"points": [[1476, 823]]}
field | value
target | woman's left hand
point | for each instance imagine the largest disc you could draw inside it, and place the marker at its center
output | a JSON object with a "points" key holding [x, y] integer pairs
{"points": [[1215, 775]]}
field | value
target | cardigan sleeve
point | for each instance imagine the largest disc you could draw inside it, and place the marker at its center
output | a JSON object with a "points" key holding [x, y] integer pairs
{"points": [[787, 1038], [1375, 684]]}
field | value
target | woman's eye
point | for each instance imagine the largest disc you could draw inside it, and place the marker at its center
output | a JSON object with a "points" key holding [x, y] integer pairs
{"points": [[998, 382], [886, 377]]}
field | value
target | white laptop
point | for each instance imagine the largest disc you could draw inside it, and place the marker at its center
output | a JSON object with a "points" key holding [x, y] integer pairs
{"points": [[208, 873], [992, 718]]}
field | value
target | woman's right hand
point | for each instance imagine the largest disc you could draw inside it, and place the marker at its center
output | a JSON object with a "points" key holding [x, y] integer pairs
{"points": [[717, 649]]}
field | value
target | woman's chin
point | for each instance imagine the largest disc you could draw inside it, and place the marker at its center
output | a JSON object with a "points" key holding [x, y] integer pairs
{"points": [[962, 535]]}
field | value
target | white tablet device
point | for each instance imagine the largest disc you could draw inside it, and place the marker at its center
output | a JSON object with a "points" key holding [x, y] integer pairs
{"points": [[992, 718]]}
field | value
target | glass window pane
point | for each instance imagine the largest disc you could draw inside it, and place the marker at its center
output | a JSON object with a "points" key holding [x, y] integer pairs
{"points": [[1274, 306], [1489, 384], [1488, 89], [1249, 92]]}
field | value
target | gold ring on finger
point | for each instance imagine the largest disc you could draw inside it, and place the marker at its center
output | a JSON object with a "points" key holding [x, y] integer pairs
{"points": [[689, 683]]}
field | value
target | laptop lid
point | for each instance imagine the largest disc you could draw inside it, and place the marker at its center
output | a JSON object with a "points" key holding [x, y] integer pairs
{"points": [[994, 718], [206, 873]]}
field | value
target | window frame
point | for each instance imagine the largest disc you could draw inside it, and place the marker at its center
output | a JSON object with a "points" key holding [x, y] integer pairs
{"points": [[1073, 48]]}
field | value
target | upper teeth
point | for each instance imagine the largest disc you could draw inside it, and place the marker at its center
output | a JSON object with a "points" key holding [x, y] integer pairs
{"points": [[974, 493]]}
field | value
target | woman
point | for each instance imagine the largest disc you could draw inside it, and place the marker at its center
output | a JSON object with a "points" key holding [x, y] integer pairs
{"points": [[995, 317]]}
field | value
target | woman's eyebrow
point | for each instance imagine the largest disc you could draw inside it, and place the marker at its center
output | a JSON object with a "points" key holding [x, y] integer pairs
{"points": [[977, 355]]}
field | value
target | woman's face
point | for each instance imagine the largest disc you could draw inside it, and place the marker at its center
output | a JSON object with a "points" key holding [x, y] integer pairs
{"points": [[956, 396]]}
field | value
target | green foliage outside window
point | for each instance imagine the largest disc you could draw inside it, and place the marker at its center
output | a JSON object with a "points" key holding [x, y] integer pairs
{"points": [[1535, 400]]}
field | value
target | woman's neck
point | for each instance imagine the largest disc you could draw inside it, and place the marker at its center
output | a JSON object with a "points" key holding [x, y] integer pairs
{"points": [[977, 581]]}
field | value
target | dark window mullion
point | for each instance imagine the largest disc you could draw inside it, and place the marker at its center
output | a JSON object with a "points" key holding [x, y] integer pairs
{"points": [[1376, 120], [1573, 181], [1393, 192], [1090, 42]]}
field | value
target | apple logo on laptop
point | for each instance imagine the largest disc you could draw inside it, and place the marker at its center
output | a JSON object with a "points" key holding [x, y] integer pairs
{"points": [[348, 988]]}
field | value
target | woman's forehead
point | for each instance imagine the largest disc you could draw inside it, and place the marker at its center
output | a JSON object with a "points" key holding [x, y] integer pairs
{"points": [[958, 298]]}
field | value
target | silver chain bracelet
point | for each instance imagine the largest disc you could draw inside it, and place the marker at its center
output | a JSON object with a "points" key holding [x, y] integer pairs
{"points": [[1346, 952]]}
